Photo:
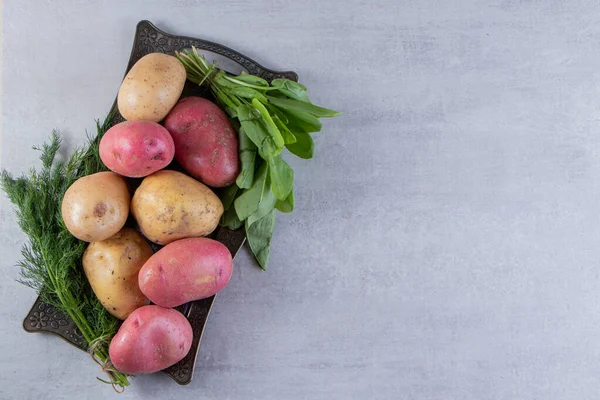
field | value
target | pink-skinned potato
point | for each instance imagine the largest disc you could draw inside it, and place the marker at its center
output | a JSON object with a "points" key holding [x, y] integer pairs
{"points": [[136, 148], [206, 145], [186, 270], [151, 339]]}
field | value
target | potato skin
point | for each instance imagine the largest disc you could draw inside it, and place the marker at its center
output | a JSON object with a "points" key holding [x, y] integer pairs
{"points": [[112, 266], [186, 270], [206, 145], [151, 87], [136, 148], [170, 205], [152, 338], [96, 206]]}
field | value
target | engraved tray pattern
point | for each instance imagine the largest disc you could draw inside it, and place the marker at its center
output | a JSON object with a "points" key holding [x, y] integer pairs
{"points": [[149, 39]]}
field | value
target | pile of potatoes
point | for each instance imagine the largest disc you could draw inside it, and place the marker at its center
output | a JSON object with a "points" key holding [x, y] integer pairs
{"points": [[170, 208]]}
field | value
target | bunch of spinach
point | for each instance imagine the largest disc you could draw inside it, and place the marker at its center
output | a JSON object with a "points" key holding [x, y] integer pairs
{"points": [[269, 116]]}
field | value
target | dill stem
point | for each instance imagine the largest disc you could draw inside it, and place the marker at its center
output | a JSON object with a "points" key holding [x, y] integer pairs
{"points": [[67, 299], [70, 305]]}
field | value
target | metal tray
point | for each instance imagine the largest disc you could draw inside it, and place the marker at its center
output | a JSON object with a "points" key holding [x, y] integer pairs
{"points": [[149, 39]]}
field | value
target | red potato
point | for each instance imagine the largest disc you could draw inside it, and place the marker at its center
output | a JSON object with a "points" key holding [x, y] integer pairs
{"points": [[206, 145], [186, 270], [137, 148], [152, 338]]}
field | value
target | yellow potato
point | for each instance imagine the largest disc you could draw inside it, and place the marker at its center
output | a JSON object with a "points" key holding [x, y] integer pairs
{"points": [[112, 267], [96, 206], [151, 87], [170, 205]]}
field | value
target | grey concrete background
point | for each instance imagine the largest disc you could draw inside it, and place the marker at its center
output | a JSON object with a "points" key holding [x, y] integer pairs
{"points": [[446, 239]]}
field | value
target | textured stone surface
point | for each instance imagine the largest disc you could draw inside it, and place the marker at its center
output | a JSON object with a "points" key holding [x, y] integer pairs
{"points": [[446, 239]]}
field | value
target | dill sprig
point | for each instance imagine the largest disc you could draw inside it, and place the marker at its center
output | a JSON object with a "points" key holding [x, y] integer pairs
{"points": [[51, 262]]}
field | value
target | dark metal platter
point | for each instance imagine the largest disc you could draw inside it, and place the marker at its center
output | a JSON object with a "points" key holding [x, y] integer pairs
{"points": [[149, 39]]}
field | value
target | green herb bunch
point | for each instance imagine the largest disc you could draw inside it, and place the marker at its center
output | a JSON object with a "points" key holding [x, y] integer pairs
{"points": [[269, 117], [51, 261]]}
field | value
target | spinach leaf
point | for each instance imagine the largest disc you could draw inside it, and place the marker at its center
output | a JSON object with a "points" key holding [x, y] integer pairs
{"points": [[254, 127], [297, 105], [251, 79], [248, 93], [282, 177], [230, 220], [267, 203], [270, 125], [222, 81], [247, 153], [304, 147], [227, 195], [248, 202], [288, 137], [300, 121], [286, 205], [291, 89], [259, 236]]}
